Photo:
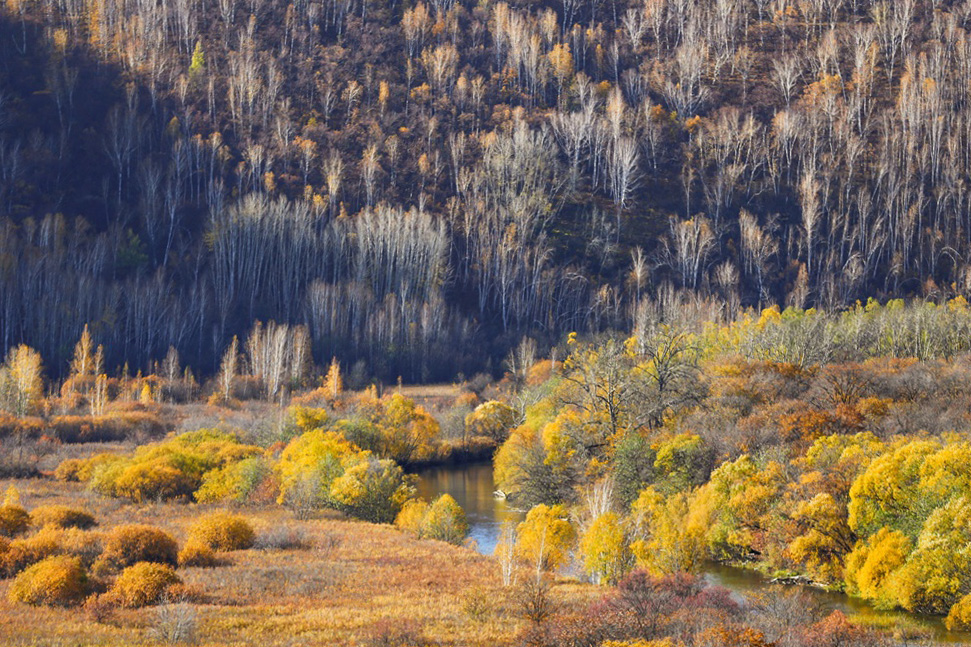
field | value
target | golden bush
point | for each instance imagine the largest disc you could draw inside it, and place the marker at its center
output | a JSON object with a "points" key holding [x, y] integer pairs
{"points": [[129, 544], [445, 521], [25, 552], [70, 469], [13, 520], [56, 581], [142, 584], [959, 618], [222, 531], [61, 516], [411, 516], [195, 553]]}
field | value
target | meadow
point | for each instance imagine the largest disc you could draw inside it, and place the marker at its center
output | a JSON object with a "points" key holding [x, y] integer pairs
{"points": [[345, 582]]}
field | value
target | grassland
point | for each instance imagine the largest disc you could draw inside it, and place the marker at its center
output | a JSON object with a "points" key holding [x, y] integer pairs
{"points": [[350, 583]]}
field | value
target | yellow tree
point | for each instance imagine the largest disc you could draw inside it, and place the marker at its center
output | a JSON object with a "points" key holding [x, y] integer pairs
{"points": [[492, 419], [544, 538], [373, 490], [407, 429], [21, 381], [667, 537], [333, 382], [605, 550], [824, 540], [445, 521], [872, 564]]}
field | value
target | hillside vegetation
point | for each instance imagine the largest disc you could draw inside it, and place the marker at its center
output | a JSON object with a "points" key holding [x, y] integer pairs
{"points": [[422, 184]]}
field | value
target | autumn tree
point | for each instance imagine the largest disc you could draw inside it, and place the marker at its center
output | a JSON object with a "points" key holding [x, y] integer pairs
{"points": [[21, 380]]}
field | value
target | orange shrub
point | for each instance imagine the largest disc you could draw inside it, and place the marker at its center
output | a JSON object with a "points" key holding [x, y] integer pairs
{"points": [[222, 531], [22, 553], [142, 584], [195, 553], [13, 520], [70, 470], [62, 516], [55, 581], [129, 544]]}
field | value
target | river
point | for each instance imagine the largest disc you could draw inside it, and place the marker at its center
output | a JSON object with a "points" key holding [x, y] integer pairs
{"points": [[473, 488]]}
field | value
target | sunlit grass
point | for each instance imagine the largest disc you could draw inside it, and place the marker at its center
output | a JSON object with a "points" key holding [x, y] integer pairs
{"points": [[349, 583]]}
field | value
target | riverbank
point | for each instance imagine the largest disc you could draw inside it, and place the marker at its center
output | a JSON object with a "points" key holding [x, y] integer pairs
{"points": [[472, 486]]}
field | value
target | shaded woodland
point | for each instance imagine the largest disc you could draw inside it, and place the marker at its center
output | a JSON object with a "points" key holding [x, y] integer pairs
{"points": [[422, 185]]}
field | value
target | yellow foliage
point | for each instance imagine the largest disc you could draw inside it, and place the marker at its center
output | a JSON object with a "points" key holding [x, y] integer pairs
{"points": [[127, 544], [545, 537], [13, 520], [411, 516], [445, 521], [606, 553], [222, 531], [69, 469], [938, 572], [373, 490], [22, 553], [238, 482], [407, 430], [959, 617], [824, 540], [311, 462], [197, 554], [669, 538], [55, 581], [871, 566], [142, 584], [61, 516], [492, 419]]}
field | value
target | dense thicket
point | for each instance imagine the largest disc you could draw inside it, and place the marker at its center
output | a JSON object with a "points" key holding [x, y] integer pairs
{"points": [[410, 179], [823, 449]]}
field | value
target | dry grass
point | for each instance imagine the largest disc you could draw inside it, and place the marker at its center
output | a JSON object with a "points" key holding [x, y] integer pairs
{"points": [[346, 583]]}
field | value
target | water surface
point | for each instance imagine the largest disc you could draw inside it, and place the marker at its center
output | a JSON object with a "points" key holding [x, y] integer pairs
{"points": [[473, 488]]}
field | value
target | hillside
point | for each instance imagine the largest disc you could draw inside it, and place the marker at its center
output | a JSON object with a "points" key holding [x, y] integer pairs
{"points": [[422, 185]]}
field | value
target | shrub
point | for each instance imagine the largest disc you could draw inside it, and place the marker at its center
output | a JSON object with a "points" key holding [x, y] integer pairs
{"points": [[411, 516], [106, 428], [959, 618], [445, 521], [82, 544], [492, 419], [197, 554], [171, 469], [237, 482], [22, 553], [55, 581], [17, 555], [222, 531], [13, 520], [62, 516], [153, 481], [142, 584], [129, 544], [373, 490], [69, 470]]}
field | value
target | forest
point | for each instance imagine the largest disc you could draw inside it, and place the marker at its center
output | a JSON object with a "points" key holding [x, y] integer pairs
{"points": [[422, 185]]}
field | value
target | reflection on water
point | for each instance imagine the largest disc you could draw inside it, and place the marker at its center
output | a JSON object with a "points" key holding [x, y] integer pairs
{"points": [[472, 487]]}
